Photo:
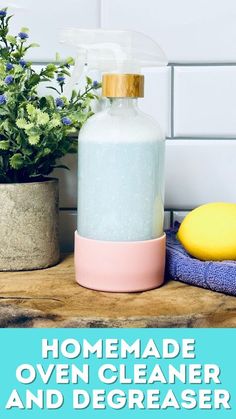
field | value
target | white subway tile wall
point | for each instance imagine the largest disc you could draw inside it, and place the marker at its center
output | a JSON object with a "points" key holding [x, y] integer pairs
{"points": [[205, 101], [187, 30], [46, 20], [157, 100], [199, 171], [194, 98]]}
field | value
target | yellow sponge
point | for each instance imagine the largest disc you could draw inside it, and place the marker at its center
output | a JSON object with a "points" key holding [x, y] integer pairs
{"points": [[209, 232]]}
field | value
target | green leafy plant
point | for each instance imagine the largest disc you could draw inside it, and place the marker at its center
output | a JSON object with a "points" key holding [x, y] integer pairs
{"points": [[35, 131]]}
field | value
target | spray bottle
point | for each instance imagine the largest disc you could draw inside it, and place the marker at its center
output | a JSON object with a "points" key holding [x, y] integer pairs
{"points": [[119, 242]]}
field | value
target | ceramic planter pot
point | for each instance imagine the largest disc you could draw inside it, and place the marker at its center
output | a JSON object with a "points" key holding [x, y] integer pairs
{"points": [[29, 219]]}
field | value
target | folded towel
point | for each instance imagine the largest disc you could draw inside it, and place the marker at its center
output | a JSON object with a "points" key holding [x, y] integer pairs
{"points": [[180, 266]]}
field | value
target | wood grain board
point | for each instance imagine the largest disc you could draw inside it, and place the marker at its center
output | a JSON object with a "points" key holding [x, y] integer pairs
{"points": [[51, 298]]}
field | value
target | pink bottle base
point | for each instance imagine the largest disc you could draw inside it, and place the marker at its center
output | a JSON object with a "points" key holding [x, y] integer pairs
{"points": [[119, 266]]}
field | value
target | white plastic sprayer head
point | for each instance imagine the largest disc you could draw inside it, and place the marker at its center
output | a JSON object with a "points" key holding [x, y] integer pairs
{"points": [[112, 51]]}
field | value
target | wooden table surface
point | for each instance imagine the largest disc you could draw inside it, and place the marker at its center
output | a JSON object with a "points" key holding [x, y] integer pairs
{"points": [[51, 298]]}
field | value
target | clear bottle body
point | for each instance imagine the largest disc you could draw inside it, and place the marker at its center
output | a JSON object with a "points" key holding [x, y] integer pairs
{"points": [[121, 175]]}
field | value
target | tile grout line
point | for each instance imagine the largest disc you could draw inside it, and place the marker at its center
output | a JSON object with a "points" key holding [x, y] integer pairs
{"points": [[172, 103], [202, 64], [170, 64], [170, 210], [201, 138], [68, 209], [177, 210]]}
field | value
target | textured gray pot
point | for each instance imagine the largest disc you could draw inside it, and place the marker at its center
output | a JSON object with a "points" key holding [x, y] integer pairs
{"points": [[29, 237]]}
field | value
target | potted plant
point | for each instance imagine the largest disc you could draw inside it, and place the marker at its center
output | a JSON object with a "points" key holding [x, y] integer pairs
{"points": [[34, 133]]}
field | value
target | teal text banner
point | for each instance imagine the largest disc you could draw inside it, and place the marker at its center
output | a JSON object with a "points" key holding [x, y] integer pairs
{"points": [[120, 373]]}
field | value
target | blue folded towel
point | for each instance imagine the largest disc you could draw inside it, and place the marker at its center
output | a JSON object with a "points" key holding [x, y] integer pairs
{"points": [[216, 276]]}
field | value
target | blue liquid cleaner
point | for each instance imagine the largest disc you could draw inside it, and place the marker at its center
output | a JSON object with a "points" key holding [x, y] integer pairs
{"points": [[120, 190]]}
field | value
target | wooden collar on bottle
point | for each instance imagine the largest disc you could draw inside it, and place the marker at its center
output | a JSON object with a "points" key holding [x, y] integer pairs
{"points": [[122, 85]]}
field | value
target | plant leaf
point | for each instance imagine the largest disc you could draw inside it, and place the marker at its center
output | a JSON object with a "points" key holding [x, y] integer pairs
{"points": [[31, 110], [24, 29], [89, 80], [55, 122], [34, 45], [58, 57], [4, 112], [21, 123], [34, 139], [17, 161], [53, 88], [51, 67], [34, 80], [11, 39], [8, 18], [42, 118], [70, 61], [4, 145]]}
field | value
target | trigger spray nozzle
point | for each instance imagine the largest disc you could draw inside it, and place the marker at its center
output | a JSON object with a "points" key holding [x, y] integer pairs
{"points": [[111, 51]]}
